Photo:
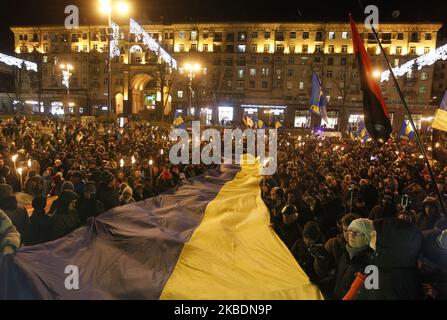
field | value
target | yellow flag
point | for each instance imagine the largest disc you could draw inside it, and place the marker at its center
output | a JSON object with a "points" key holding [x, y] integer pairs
{"points": [[440, 120]]}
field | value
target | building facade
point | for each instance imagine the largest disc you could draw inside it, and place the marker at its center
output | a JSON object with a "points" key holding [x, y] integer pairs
{"points": [[263, 70]]}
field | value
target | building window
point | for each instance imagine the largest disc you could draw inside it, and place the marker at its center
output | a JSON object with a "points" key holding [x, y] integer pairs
{"points": [[428, 36], [291, 60], [77, 48], [252, 84], [399, 50], [414, 37], [317, 59], [344, 35], [426, 50], [400, 36], [266, 60], [396, 62], [413, 50], [319, 36], [95, 47], [253, 72], [242, 36], [181, 47], [317, 48], [424, 76], [229, 48], [254, 35], [331, 49], [45, 37], [422, 89], [240, 73], [290, 73], [254, 48], [302, 118], [280, 48], [267, 35], [265, 72], [253, 59], [241, 48], [182, 35], [240, 83], [343, 61], [193, 47], [305, 48], [331, 35], [193, 35], [265, 84], [45, 48], [205, 48], [180, 94], [344, 49], [301, 85], [305, 35], [330, 61], [292, 35], [266, 48], [292, 49], [329, 74]]}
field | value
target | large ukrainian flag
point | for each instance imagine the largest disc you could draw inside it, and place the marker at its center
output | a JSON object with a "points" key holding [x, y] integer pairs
{"points": [[210, 239]]}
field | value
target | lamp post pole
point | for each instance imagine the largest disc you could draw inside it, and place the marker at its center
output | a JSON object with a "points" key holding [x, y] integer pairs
{"points": [[109, 64]]}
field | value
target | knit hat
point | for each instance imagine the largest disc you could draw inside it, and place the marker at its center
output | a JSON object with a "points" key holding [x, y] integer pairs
{"points": [[39, 202], [364, 226], [68, 196], [90, 187], [442, 240], [67, 185], [5, 191]]}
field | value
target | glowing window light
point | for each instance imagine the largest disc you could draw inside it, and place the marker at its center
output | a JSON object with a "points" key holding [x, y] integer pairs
{"points": [[12, 61], [425, 60], [139, 32]]}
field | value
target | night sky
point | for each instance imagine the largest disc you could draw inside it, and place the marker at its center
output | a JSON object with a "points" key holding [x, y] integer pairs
{"points": [[51, 12]]}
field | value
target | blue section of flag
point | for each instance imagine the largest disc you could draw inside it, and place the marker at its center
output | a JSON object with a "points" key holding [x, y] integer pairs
{"points": [[443, 104], [406, 132], [318, 101]]}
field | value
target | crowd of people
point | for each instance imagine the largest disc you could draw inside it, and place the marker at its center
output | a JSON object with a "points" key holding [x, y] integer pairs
{"points": [[343, 205], [339, 205]]}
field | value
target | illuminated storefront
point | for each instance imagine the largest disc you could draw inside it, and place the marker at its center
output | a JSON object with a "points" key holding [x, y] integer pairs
{"points": [[226, 114], [268, 114]]}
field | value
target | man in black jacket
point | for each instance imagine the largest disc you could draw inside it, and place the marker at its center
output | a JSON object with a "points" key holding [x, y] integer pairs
{"points": [[87, 205], [107, 192], [289, 229]]}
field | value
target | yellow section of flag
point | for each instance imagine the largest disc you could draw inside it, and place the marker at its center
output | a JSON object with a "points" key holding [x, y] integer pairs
{"points": [[234, 253], [440, 120]]}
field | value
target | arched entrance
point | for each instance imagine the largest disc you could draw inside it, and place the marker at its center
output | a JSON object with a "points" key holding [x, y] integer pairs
{"points": [[139, 85]]}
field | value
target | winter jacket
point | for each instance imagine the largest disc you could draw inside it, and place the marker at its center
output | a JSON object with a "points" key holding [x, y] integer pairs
{"points": [[108, 196], [8, 232], [398, 247], [40, 228], [18, 215], [87, 208]]}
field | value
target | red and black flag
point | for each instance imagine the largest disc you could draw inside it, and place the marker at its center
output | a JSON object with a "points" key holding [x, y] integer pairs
{"points": [[377, 120]]}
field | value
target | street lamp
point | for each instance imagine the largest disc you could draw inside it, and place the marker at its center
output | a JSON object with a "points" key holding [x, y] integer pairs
{"points": [[123, 8], [192, 69]]}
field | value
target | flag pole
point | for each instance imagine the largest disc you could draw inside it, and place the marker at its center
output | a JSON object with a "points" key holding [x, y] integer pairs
{"points": [[407, 111]]}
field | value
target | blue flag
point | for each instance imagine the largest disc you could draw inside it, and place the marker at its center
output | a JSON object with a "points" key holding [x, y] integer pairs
{"points": [[362, 133], [443, 104], [318, 101], [406, 132], [179, 123]]}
